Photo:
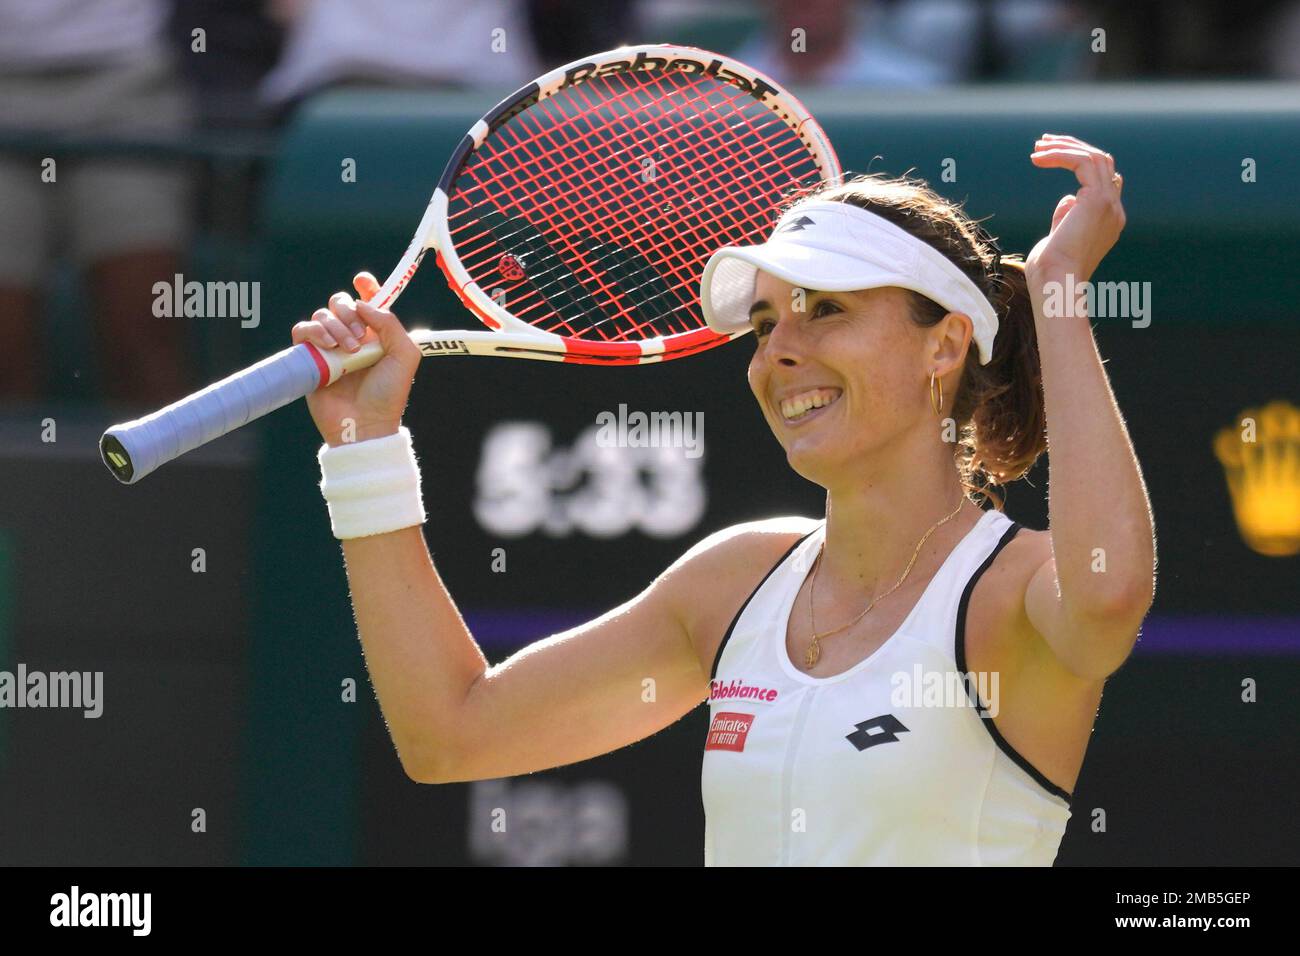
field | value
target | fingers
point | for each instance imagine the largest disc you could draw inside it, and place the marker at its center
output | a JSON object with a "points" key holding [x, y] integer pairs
{"points": [[326, 331], [366, 285], [1089, 168], [390, 331], [315, 333], [381, 320], [338, 329], [349, 322], [345, 308], [1057, 139], [1092, 166], [1054, 140], [333, 326]]}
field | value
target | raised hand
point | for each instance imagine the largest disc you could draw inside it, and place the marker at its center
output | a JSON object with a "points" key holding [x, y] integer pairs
{"points": [[1087, 224]]}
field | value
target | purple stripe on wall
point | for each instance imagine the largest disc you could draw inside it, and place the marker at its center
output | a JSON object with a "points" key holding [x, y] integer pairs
{"points": [[1219, 634], [506, 630], [511, 629]]}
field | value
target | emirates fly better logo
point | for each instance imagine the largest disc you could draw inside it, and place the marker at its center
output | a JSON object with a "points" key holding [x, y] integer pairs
{"points": [[728, 731]]}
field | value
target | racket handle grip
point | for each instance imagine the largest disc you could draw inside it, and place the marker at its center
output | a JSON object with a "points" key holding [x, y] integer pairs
{"points": [[133, 449]]}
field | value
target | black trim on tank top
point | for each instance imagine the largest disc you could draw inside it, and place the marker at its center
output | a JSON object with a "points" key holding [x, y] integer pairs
{"points": [[960, 647], [717, 657]]}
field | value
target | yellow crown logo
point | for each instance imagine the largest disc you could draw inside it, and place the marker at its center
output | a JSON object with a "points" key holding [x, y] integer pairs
{"points": [[1261, 460]]}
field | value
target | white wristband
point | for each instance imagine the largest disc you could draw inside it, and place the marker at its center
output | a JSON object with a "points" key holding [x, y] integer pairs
{"points": [[373, 486]]}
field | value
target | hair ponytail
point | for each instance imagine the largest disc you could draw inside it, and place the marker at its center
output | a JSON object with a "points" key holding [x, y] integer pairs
{"points": [[1007, 431]]}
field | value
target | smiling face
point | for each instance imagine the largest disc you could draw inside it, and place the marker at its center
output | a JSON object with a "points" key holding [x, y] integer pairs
{"points": [[844, 377]]}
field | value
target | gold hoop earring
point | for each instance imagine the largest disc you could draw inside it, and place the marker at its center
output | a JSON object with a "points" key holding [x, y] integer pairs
{"points": [[937, 405]]}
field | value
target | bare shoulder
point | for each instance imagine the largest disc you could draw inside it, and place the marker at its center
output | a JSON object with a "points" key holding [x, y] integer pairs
{"points": [[725, 545], [712, 579]]}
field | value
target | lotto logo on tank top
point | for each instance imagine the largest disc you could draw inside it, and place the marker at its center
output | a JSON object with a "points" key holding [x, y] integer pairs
{"points": [[728, 731], [737, 689]]}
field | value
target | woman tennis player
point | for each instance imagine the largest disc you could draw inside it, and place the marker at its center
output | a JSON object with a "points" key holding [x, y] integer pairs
{"points": [[907, 368]]}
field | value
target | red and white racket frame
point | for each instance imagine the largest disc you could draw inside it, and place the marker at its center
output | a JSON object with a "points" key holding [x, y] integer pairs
{"points": [[508, 335]]}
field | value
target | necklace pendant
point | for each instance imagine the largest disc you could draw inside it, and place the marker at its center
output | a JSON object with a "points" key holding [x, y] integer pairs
{"points": [[812, 655]]}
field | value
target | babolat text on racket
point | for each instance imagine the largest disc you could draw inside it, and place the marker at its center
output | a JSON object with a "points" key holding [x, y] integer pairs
{"points": [[574, 220]]}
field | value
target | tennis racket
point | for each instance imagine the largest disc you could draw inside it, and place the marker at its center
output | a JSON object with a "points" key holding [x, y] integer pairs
{"points": [[574, 220]]}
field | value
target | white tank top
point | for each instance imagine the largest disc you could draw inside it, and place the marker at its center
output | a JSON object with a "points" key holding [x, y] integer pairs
{"points": [[855, 769]]}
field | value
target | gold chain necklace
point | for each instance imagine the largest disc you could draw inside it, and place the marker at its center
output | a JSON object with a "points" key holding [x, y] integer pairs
{"points": [[814, 652]]}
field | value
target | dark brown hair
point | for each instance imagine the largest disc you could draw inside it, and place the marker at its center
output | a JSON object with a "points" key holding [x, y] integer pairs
{"points": [[998, 408]]}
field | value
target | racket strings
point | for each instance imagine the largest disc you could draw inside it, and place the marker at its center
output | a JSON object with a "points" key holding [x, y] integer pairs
{"points": [[720, 204], [718, 194], [694, 93], [682, 292], [567, 172], [646, 296], [723, 199], [681, 295]]}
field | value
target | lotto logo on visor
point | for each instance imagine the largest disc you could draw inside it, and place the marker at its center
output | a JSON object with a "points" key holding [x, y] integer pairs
{"points": [[728, 731], [797, 225]]}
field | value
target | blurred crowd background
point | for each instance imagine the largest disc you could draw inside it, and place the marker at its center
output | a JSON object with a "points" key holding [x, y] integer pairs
{"points": [[162, 115]]}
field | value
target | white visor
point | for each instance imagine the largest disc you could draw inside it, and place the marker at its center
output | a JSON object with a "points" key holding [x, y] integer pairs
{"points": [[836, 247]]}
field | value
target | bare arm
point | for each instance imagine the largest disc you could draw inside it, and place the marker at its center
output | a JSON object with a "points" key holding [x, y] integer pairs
{"points": [[611, 682], [419, 654], [1090, 595], [585, 692]]}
